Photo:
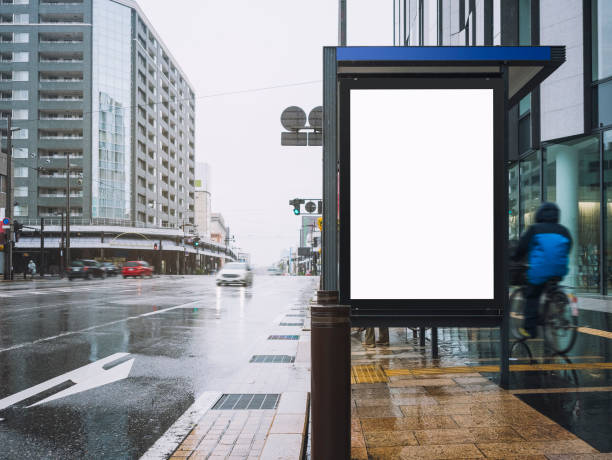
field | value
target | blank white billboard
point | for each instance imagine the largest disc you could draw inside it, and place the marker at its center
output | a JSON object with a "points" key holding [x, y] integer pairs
{"points": [[421, 194]]}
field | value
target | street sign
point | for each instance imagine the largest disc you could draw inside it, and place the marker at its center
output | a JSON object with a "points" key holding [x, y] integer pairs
{"points": [[304, 252], [310, 207], [6, 221]]}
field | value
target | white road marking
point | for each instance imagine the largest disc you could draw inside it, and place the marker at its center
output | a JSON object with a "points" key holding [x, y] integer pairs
{"points": [[87, 377], [170, 440], [87, 329]]}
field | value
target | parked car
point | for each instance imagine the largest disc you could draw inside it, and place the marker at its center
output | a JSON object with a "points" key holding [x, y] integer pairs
{"points": [[136, 268], [110, 268], [85, 269], [235, 273], [274, 271]]}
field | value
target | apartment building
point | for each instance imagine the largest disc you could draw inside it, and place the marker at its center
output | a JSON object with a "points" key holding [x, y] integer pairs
{"points": [[103, 109]]}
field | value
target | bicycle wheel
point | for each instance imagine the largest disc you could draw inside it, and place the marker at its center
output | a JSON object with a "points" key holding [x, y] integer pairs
{"points": [[560, 322], [517, 307]]}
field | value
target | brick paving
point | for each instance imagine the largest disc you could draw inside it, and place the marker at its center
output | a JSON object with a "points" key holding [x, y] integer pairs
{"points": [[230, 434], [453, 415]]}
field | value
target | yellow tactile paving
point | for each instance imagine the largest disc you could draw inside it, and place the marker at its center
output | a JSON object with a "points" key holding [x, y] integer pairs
{"points": [[597, 332], [513, 368], [367, 373]]}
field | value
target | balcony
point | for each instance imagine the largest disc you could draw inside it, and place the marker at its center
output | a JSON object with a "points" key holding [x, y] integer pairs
{"points": [[54, 57], [60, 37], [61, 18]]}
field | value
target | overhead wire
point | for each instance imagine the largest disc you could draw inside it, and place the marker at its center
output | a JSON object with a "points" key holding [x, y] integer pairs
{"points": [[206, 96]]}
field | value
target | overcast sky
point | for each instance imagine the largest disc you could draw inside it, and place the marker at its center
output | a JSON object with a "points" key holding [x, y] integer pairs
{"points": [[226, 46]]}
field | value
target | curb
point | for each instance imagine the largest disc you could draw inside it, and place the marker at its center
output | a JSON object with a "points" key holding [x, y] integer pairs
{"points": [[287, 436]]}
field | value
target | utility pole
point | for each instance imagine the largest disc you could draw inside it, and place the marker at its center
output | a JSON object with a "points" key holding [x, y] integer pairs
{"points": [[8, 260], [342, 22], [67, 209], [61, 247], [42, 247]]}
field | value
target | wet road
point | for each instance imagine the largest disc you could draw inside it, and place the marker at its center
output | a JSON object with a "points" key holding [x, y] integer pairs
{"points": [[150, 346]]}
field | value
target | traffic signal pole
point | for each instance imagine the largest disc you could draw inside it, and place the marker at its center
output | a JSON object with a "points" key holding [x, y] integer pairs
{"points": [[42, 247], [67, 209], [8, 249]]}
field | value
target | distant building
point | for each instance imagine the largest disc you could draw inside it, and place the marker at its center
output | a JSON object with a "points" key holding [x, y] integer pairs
{"points": [[218, 230], [202, 199]]}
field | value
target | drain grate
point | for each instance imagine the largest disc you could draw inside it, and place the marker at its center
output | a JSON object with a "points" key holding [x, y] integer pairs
{"points": [[301, 323], [246, 402], [272, 359], [284, 337]]}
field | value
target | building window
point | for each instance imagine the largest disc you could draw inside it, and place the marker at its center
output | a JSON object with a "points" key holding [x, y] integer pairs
{"points": [[607, 176], [21, 75], [20, 95], [23, 56], [20, 114], [571, 179], [530, 192], [20, 152], [20, 134], [21, 38], [20, 210], [20, 171], [601, 27], [21, 191], [524, 128], [21, 18], [513, 202]]}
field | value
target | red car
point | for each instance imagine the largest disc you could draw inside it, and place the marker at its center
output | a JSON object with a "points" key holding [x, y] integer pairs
{"points": [[137, 268]]}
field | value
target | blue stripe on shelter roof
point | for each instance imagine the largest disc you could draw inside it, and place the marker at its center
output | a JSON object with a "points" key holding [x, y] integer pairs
{"points": [[443, 53]]}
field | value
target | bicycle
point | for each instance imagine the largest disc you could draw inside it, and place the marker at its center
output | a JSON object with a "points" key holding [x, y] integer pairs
{"points": [[558, 315]]}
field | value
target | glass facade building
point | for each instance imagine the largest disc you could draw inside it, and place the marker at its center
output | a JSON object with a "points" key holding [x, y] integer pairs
{"points": [[561, 133], [93, 88]]}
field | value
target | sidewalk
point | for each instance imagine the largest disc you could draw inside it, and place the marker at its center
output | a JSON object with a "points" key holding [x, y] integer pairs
{"points": [[407, 405], [264, 414]]}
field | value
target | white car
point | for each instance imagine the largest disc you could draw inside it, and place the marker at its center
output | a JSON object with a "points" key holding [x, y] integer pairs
{"points": [[235, 273]]}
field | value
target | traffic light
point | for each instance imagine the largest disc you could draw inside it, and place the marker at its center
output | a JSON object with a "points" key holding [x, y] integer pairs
{"points": [[196, 242], [297, 204]]}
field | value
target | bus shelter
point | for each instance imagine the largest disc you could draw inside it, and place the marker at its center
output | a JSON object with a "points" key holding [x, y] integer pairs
{"points": [[415, 194]]}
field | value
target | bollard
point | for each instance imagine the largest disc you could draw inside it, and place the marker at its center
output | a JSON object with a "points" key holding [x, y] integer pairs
{"points": [[330, 397]]}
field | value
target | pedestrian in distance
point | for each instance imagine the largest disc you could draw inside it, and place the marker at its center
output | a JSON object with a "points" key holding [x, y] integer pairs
{"points": [[32, 268], [547, 246]]}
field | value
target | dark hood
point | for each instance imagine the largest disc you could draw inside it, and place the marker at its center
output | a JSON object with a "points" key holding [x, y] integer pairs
{"points": [[548, 212]]}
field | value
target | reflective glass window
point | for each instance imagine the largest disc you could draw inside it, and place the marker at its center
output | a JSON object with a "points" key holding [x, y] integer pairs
{"points": [[513, 202], [607, 175], [530, 196], [602, 104], [571, 179], [601, 27], [111, 118], [525, 22]]}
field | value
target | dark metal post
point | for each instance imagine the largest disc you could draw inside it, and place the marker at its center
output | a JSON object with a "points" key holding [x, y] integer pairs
{"points": [[67, 208], [61, 246], [8, 260], [330, 378], [342, 22], [434, 342], [329, 235], [504, 335], [422, 336], [42, 247]]}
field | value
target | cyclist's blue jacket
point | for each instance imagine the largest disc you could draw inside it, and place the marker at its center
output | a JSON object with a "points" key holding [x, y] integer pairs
{"points": [[547, 244]]}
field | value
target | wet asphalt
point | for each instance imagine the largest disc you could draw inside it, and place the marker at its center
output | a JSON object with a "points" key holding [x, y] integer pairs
{"points": [[180, 335]]}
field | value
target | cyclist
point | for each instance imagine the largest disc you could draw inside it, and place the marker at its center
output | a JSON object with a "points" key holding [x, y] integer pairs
{"points": [[547, 245]]}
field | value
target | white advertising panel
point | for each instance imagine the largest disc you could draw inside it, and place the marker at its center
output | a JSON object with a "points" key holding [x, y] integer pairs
{"points": [[421, 194]]}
